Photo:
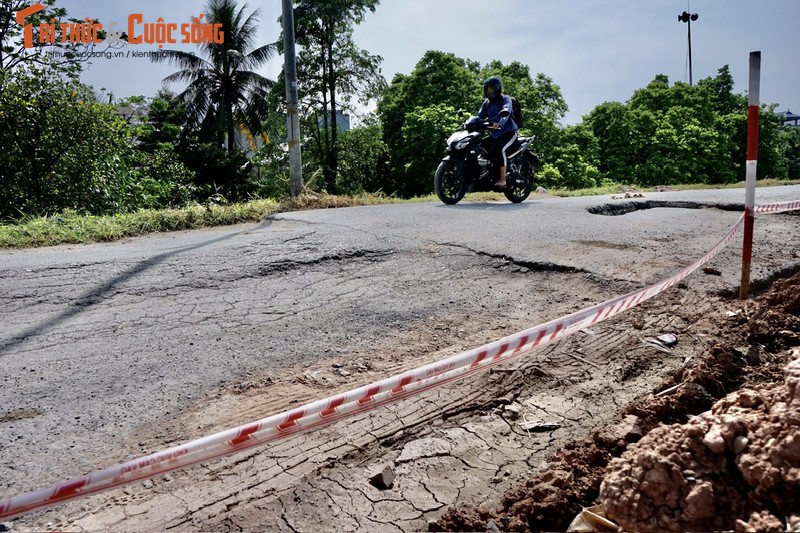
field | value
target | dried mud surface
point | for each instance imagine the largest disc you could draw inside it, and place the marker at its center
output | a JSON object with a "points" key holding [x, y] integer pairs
{"points": [[717, 447]]}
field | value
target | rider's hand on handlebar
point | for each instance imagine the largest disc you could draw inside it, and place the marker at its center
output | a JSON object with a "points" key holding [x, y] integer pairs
{"points": [[495, 126]]}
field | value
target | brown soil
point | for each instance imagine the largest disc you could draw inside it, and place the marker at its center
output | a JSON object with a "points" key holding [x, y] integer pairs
{"points": [[666, 468]]}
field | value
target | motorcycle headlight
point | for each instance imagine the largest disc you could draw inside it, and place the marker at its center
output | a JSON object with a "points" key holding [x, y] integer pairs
{"points": [[463, 144]]}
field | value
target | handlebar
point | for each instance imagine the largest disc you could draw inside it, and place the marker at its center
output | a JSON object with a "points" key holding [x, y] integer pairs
{"points": [[476, 125]]}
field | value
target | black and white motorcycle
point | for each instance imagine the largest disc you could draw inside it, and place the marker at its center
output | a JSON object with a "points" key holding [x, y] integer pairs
{"points": [[466, 168]]}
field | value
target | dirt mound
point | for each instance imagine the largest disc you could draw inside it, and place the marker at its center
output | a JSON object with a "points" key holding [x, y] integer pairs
{"points": [[547, 502], [776, 322], [674, 467], [741, 459]]}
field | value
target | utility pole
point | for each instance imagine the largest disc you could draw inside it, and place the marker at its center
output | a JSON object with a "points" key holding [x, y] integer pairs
{"points": [[688, 18], [293, 117]]}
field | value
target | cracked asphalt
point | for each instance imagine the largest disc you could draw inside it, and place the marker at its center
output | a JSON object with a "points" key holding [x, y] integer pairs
{"points": [[111, 351]]}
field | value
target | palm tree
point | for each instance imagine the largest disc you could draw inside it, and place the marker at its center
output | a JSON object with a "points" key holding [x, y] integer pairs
{"points": [[224, 93]]}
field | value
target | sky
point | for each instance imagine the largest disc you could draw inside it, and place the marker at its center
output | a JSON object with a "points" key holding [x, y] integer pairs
{"points": [[594, 50]]}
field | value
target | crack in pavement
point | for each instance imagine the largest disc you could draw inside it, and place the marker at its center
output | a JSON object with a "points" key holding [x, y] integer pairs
{"points": [[533, 266]]}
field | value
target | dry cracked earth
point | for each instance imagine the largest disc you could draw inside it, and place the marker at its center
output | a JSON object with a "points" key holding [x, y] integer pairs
{"points": [[464, 445]]}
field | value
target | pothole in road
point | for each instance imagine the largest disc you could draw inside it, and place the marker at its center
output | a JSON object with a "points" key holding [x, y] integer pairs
{"points": [[631, 207]]}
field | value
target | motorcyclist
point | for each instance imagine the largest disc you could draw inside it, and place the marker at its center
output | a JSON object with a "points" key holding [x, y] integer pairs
{"points": [[498, 109]]}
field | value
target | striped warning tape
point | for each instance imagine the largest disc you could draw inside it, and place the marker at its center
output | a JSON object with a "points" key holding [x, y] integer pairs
{"points": [[778, 208], [362, 399]]}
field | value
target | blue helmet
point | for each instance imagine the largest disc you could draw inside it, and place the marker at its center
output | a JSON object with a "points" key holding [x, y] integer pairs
{"points": [[495, 82]]}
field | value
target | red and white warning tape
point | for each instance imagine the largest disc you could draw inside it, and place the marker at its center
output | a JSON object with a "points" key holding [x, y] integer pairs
{"points": [[778, 208], [362, 399]]}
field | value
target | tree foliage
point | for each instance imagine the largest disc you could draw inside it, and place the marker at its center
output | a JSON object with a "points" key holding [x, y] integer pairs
{"points": [[334, 74], [170, 131], [13, 52], [790, 150], [440, 84], [364, 160], [62, 149], [442, 81], [681, 134]]}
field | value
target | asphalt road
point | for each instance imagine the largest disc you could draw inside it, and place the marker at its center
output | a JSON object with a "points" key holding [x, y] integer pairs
{"points": [[98, 341]]}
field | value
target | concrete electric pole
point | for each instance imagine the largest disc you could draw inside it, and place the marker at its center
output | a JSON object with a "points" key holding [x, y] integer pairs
{"points": [[293, 117]]}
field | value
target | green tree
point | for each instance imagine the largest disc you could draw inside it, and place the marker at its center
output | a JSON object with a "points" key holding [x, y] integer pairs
{"points": [[720, 90], [168, 141], [438, 78], [425, 131], [684, 150], [678, 134], [272, 157], [574, 158], [622, 136], [441, 83], [771, 161], [60, 148], [334, 73], [13, 52], [790, 150], [224, 93], [167, 122], [364, 160]]}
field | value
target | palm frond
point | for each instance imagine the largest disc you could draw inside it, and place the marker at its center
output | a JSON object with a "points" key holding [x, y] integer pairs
{"points": [[260, 56], [181, 59]]}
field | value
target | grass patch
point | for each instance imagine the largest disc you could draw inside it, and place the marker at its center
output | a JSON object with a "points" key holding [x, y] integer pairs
{"points": [[616, 188], [72, 228]]}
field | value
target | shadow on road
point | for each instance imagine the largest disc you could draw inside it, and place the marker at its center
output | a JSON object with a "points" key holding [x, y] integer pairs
{"points": [[96, 295], [483, 206]]}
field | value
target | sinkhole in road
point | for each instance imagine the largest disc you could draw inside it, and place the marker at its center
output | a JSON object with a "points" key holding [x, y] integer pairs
{"points": [[631, 207]]}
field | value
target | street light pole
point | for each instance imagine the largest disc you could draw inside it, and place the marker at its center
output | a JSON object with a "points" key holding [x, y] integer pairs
{"points": [[688, 18], [293, 116]]}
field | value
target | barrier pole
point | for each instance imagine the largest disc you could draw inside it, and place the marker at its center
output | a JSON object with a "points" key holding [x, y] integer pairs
{"points": [[752, 166]]}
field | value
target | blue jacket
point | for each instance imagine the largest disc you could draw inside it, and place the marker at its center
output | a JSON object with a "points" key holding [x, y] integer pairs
{"points": [[491, 110]]}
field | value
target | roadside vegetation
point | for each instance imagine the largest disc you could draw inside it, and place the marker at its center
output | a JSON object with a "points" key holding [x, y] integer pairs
{"points": [[78, 164]]}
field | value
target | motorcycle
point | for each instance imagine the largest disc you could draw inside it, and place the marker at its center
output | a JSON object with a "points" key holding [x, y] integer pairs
{"points": [[466, 167]]}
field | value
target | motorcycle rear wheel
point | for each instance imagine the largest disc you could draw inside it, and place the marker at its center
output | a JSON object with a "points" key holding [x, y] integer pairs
{"points": [[450, 183], [520, 180]]}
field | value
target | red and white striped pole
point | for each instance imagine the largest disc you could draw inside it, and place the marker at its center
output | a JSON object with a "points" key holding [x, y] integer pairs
{"points": [[752, 167]]}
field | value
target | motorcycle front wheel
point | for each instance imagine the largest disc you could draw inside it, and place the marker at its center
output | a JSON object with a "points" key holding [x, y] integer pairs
{"points": [[450, 183], [520, 180]]}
